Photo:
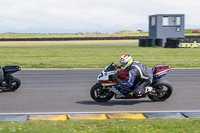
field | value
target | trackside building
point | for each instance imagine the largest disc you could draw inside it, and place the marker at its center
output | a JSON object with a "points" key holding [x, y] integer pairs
{"points": [[165, 26]]}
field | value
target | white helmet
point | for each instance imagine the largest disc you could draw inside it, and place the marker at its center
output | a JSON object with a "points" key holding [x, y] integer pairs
{"points": [[125, 60]]}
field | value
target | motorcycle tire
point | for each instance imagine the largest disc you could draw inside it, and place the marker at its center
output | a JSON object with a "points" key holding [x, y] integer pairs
{"points": [[99, 94], [164, 87], [15, 87]]}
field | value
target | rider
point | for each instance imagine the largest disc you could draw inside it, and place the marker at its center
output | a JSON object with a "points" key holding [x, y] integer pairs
{"points": [[137, 71]]}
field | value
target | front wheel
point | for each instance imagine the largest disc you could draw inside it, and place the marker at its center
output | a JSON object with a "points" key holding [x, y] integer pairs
{"points": [[99, 94], [162, 90]]}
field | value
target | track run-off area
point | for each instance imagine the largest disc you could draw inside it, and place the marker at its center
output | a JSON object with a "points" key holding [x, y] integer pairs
{"points": [[54, 91]]}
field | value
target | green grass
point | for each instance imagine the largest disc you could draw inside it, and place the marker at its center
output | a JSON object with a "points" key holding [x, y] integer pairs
{"points": [[189, 125], [188, 30], [95, 57]]}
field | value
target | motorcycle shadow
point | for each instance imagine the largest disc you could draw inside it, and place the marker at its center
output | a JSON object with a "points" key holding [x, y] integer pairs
{"points": [[5, 91], [114, 102]]}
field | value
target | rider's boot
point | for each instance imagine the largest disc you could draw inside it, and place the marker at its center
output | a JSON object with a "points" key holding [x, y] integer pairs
{"points": [[118, 94]]}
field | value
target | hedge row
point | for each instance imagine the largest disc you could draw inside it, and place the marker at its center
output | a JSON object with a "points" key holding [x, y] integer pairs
{"points": [[84, 38]]}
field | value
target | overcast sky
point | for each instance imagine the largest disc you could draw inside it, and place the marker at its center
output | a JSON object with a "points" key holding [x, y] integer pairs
{"points": [[106, 16]]}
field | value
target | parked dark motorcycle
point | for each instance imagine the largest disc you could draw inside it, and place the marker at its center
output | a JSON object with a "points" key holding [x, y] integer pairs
{"points": [[101, 91], [7, 81]]}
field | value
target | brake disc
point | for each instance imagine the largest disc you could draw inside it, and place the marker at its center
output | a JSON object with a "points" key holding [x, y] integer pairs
{"points": [[161, 93]]}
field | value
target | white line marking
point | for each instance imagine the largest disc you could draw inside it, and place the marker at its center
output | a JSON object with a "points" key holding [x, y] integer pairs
{"points": [[100, 112], [33, 69]]}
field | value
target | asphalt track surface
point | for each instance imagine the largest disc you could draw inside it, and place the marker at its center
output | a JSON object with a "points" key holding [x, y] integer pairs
{"points": [[68, 90]]}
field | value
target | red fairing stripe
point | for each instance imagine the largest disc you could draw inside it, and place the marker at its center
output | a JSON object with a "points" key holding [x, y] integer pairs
{"points": [[106, 81]]}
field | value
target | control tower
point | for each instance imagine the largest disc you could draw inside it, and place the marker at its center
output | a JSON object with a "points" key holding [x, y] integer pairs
{"points": [[165, 26]]}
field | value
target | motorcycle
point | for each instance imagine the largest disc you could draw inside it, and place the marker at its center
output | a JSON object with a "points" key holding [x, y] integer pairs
{"points": [[101, 91], [7, 81]]}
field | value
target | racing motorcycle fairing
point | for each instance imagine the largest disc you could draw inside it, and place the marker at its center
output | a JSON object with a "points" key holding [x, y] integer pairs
{"points": [[160, 71], [106, 77], [109, 70], [110, 84], [107, 83]]}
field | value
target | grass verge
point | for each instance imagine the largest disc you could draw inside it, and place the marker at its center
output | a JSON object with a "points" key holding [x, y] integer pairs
{"points": [[151, 125], [96, 56]]}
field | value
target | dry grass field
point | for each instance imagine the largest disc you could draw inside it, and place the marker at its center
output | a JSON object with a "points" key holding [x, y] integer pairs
{"points": [[57, 43]]}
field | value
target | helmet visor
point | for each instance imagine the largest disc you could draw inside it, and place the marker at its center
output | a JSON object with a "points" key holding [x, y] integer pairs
{"points": [[123, 64]]}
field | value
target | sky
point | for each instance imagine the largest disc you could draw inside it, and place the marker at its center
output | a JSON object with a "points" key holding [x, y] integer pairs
{"points": [[105, 16]]}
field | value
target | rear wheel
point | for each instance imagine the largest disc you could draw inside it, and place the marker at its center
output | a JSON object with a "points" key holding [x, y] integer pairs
{"points": [[162, 90], [99, 94], [14, 84]]}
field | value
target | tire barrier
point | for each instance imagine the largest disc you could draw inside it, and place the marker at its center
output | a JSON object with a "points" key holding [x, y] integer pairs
{"points": [[172, 43], [183, 43], [142, 42], [73, 38], [159, 42], [149, 42]]}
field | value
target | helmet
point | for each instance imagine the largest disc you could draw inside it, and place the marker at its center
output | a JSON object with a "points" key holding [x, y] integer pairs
{"points": [[126, 60]]}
